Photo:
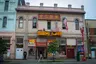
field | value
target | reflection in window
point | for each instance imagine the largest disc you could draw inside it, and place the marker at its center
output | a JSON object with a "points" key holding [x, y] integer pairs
{"points": [[34, 24], [20, 25], [63, 23]]}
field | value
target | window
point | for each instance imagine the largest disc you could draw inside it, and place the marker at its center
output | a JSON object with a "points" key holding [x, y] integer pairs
{"points": [[77, 24], [34, 22], [63, 41], [79, 41], [63, 24], [4, 22], [49, 25], [94, 31], [20, 25], [19, 40], [6, 5]]}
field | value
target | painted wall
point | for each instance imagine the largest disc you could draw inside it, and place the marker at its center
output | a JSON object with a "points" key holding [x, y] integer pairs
{"points": [[10, 14]]}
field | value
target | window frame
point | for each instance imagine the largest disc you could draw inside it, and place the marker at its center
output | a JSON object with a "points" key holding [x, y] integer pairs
{"points": [[34, 22], [6, 6], [49, 27], [20, 19], [77, 24], [4, 23], [63, 25]]}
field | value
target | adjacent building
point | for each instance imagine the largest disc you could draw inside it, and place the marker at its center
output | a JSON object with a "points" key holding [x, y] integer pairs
{"points": [[91, 36], [8, 22], [37, 26]]}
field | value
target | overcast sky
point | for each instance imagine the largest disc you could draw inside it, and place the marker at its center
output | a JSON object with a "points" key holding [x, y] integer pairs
{"points": [[90, 5]]}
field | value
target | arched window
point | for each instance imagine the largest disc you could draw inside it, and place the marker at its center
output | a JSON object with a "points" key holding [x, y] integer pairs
{"points": [[34, 24], [20, 24], [63, 23], [4, 24], [76, 24]]}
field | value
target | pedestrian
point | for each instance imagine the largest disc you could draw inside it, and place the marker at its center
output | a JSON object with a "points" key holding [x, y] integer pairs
{"points": [[25, 54]]}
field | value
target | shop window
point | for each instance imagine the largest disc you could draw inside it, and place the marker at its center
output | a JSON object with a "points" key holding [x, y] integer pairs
{"points": [[63, 23], [34, 22], [76, 24], [49, 25], [6, 5], [62, 50], [4, 24], [20, 25], [19, 40]]}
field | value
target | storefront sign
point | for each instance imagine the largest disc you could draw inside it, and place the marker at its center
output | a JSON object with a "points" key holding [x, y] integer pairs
{"points": [[54, 17], [47, 33], [32, 42], [41, 44]]}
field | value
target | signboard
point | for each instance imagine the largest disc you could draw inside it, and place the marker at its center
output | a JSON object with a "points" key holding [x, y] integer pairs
{"points": [[32, 42], [47, 33], [54, 17], [41, 44]]}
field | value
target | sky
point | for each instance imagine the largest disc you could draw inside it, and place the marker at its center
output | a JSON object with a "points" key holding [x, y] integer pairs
{"points": [[89, 5]]}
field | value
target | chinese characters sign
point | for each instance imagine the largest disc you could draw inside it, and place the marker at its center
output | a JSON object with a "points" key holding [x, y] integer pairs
{"points": [[47, 33], [54, 17]]}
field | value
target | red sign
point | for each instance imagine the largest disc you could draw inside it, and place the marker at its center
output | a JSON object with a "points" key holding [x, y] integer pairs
{"points": [[53, 17], [41, 44]]}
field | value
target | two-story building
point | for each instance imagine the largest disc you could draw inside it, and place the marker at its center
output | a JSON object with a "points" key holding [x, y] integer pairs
{"points": [[37, 26], [8, 22], [91, 36]]}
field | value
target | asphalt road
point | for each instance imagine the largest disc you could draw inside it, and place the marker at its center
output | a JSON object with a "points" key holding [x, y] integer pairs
{"points": [[90, 61]]}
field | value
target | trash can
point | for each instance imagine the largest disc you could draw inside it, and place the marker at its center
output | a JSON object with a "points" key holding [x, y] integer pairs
{"points": [[78, 56]]}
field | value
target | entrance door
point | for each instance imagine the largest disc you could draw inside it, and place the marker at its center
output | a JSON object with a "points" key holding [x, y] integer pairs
{"points": [[70, 53], [41, 50], [93, 54], [19, 53]]}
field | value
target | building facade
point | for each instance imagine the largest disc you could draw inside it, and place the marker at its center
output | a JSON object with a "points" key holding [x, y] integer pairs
{"points": [[37, 26], [91, 37], [8, 22]]}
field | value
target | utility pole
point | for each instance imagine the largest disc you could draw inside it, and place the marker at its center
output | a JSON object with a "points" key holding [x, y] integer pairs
{"points": [[87, 35]]}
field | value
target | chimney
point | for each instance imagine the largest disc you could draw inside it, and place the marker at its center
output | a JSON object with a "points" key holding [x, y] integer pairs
{"points": [[27, 4], [55, 5], [41, 4], [82, 7], [69, 6]]}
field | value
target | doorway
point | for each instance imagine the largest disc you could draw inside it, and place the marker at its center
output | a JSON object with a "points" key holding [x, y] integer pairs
{"points": [[41, 50], [70, 53]]}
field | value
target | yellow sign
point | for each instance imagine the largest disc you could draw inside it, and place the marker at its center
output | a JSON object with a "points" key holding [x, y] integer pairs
{"points": [[32, 42], [47, 33]]}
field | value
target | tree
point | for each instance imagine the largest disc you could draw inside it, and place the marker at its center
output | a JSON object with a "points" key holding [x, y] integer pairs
{"points": [[3, 48], [53, 47]]}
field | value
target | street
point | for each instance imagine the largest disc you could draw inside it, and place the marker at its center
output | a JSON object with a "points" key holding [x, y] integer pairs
{"points": [[89, 61]]}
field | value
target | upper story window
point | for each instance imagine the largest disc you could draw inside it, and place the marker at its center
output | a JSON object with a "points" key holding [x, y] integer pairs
{"points": [[20, 24], [6, 5], [79, 41], [63, 23], [76, 24], [49, 25], [4, 24], [19, 40], [34, 22], [63, 41]]}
